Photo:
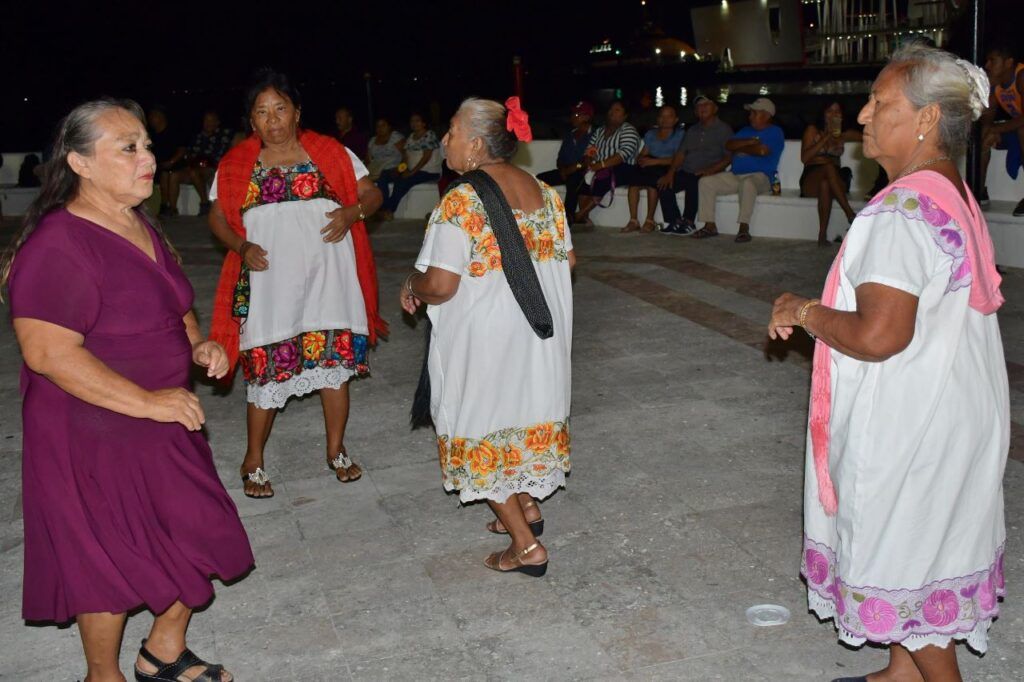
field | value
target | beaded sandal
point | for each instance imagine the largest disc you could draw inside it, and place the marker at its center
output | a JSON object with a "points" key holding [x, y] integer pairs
{"points": [[342, 463], [174, 671], [493, 562], [259, 477]]}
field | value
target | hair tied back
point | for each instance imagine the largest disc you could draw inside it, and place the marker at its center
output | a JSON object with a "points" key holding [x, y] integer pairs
{"points": [[978, 81]]}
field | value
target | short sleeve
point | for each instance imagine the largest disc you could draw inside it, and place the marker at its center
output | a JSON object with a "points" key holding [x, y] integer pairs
{"points": [[560, 217], [213, 187], [891, 249], [357, 165], [52, 280], [446, 244]]}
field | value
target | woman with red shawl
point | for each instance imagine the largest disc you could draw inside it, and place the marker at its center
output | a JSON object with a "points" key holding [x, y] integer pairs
{"points": [[296, 304]]}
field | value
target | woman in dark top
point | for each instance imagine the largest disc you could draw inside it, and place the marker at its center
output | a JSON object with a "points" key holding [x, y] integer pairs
{"points": [[123, 507], [823, 177]]}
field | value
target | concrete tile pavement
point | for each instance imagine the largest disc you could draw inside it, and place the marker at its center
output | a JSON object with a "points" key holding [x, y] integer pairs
{"points": [[683, 508]]}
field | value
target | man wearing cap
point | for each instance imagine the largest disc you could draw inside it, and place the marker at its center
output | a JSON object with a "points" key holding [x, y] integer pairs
{"points": [[571, 154], [702, 153], [756, 150]]}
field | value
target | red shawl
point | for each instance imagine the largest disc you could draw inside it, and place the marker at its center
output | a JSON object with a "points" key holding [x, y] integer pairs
{"points": [[233, 176]]}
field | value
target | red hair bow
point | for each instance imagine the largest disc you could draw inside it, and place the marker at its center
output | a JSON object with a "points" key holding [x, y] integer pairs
{"points": [[518, 121]]}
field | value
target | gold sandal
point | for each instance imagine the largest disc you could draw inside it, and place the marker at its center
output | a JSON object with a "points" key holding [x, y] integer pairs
{"points": [[493, 562], [536, 527]]}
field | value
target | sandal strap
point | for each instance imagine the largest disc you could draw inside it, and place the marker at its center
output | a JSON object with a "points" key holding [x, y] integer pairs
{"points": [[259, 477], [171, 672], [342, 461], [518, 558]]}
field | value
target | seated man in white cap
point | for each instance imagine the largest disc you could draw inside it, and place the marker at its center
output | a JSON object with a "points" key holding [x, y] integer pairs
{"points": [[756, 151]]}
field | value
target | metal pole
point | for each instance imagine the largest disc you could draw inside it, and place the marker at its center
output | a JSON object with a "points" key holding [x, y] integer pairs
{"points": [[974, 170], [517, 76], [369, 103]]}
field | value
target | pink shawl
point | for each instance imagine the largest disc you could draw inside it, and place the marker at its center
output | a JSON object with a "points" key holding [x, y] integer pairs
{"points": [[985, 297]]}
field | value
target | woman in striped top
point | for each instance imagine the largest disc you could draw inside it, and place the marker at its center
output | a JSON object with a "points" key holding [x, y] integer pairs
{"points": [[610, 158]]}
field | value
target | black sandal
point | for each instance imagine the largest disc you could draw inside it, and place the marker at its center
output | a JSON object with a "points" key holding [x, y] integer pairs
{"points": [[172, 672]]}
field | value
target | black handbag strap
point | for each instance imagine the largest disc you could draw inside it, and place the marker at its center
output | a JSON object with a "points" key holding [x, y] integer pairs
{"points": [[515, 259]]}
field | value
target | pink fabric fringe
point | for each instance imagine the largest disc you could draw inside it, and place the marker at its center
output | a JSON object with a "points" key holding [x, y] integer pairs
{"points": [[985, 297]]}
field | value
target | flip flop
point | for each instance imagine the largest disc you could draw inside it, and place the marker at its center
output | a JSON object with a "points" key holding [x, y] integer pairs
{"points": [[742, 238], [704, 233]]}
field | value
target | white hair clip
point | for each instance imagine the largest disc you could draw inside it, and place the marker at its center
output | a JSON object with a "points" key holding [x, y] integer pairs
{"points": [[978, 80]]}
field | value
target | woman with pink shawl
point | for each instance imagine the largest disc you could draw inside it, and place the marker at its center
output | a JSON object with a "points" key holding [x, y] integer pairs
{"points": [[909, 420]]}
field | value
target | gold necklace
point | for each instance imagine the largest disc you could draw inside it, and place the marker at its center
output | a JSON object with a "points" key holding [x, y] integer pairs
{"points": [[921, 165]]}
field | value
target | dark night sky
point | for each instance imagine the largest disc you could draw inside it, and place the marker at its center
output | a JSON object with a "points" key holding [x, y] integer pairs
{"points": [[153, 52], [188, 54]]}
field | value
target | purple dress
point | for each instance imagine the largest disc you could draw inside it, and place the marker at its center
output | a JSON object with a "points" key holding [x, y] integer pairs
{"points": [[119, 512]]}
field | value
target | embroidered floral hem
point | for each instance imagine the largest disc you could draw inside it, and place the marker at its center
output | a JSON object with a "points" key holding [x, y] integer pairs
{"points": [[960, 608], [529, 459], [325, 349]]}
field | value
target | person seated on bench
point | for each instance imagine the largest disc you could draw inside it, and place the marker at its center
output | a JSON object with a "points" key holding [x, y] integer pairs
{"points": [[384, 151], [422, 158], [613, 149], [169, 150], [660, 145], [202, 157], [702, 153], [1007, 77], [823, 177], [756, 151], [347, 132], [571, 156]]}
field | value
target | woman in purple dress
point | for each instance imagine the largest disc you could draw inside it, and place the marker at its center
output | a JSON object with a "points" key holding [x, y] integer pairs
{"points": [[122, 505]]}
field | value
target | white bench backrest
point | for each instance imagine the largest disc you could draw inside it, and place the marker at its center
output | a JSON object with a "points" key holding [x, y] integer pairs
{"points": [[540, 155]]}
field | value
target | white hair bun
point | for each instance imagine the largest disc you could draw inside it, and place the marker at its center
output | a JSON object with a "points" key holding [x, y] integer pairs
{"points": [[978, 81]]}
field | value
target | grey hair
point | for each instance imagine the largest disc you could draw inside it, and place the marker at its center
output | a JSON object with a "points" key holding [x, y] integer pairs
{"points": [[77, 132], [486, 119], [934, 76]]}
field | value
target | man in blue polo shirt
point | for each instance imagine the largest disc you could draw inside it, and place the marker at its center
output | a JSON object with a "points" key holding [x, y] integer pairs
{"points": [[756, 151]]}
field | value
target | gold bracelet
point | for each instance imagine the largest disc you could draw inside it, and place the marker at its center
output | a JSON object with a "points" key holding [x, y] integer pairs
{"points": [[802, 315], [408, 284], [362, 214]]}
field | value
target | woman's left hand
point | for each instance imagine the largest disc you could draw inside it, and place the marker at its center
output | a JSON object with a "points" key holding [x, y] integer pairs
{"points": [[341, 221], [785, 315], [211, 355]]}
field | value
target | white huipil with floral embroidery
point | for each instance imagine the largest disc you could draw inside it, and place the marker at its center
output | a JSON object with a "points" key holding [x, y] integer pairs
{"points": [[499, 393], [918, 447]]}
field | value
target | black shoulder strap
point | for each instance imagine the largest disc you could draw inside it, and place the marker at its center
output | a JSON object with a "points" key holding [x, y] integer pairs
{"points": [[515, 259]]}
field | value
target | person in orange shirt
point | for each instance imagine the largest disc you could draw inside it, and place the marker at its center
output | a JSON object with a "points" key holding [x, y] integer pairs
{"points": [[1006, 74]]}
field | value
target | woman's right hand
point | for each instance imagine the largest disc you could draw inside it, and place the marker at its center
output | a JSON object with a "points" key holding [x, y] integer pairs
{"points": [[408, 301], [176, 405], [254, 256]]}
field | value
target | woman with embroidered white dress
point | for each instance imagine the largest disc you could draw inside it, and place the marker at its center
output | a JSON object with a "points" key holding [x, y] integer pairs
{"points": [[909, 420], [296, 304], [499, 392]]}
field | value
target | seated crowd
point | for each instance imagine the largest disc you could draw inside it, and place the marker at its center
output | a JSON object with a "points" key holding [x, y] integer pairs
{"points": [[650, 152]]}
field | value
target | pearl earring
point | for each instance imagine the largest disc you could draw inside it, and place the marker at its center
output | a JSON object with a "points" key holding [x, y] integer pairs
{"points": [[920, 137]]}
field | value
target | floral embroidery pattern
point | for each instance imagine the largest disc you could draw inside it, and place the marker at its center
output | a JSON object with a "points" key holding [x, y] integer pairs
{"points": [[279, 362], [944, 229], [944, 607], [543, 230], [300, 182], [514, 453]]}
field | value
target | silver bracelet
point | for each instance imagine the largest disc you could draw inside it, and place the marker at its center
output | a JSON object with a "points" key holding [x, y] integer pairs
{"points": [[408, 284]]}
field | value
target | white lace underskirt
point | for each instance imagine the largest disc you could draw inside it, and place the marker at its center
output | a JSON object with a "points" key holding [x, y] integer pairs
{"points": [[273, 394], [976, 639], [537, 488]]}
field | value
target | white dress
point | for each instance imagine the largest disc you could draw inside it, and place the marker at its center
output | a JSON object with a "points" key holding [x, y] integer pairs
{"points": [[310, 286], [499, 393], [917, 452]]}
